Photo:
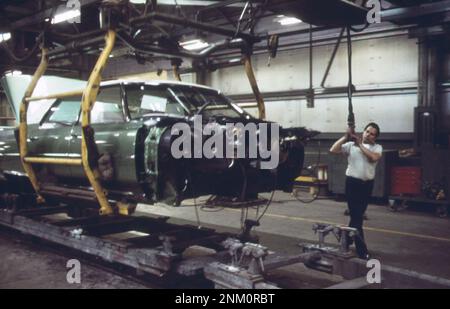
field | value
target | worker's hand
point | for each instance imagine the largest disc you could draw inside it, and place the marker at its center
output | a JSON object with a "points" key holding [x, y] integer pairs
{"points": [[356, 139], [348, 134]]}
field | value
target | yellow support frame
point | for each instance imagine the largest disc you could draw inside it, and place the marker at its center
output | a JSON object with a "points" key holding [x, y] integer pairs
{"points": [[61, 161], [61, 95], [89, 95], [87, 103], [252, 79], [23, 126]]}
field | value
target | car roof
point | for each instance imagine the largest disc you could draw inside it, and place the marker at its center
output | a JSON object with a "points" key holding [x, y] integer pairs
{"points": [[154, 83]]}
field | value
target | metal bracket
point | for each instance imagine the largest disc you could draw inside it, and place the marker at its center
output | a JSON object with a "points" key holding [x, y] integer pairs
{"points": [[233, 245], [343, 235], [257, 253], [167, 243]]}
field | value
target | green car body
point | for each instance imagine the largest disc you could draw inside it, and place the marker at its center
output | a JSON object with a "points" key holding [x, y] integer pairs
{"points": [[132, 121]]}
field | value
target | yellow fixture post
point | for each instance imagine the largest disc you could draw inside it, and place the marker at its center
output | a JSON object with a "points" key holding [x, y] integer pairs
{"points": [[254, 84], [87, 103], [23, 127]]}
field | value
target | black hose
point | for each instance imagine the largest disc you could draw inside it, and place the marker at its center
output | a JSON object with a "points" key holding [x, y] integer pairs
{"points": [[333, 56], [269, 202], [28, 55], [351, 116], [360, 30]]}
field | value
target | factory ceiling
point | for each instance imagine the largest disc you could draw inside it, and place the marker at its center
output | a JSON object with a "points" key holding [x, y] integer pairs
{"points": [[158, 27]]}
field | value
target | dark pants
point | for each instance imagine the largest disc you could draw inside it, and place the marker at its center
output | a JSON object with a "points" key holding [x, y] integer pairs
{"points": [[358, 193]]}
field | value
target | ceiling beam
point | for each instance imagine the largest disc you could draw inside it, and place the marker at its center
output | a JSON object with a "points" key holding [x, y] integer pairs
{"points": [[193, 2], [170, 19], [415, 11]]}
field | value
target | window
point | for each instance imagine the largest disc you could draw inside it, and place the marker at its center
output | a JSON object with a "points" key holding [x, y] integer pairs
{"points": [[65, 111], [145, 100], [195, 98], [108, 107]]}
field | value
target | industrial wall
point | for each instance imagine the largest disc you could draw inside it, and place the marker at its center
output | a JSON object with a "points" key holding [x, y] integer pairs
{"points": [[444, 91], [385, 74]]}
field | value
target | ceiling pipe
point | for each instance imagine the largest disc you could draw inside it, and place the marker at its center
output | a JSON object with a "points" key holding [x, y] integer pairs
{"points": [[193, 24]]}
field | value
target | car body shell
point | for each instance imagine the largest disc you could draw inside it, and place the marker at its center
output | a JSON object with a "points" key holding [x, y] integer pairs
{"points": [[134, 152]]}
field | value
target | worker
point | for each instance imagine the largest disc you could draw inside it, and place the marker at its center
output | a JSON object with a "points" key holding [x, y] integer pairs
{"points": [[363, 156]]}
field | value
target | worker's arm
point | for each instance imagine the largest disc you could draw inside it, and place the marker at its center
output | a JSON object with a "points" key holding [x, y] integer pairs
{"points": [[337, 146], [372, 156]]}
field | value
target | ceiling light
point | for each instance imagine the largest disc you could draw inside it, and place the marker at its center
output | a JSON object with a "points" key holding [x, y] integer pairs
{"points": [[234, 60], [5, 36], [287, 21], [194, 44], [66, 16]]}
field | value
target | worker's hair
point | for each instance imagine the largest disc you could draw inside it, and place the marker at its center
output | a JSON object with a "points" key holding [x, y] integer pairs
{"points": [[373, 125]]}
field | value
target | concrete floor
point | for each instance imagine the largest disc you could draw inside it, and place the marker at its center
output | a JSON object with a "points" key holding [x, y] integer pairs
{"points": [[27, 264], [410, 239], [414, 240]]}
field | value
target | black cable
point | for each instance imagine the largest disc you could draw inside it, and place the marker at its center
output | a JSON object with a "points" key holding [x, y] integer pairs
{"points": [[36, 45], [243, 192], [207, 206], [333, 55], [238, 27], [318, 155], [360, 30], [310, 59], [27, 56], [269, 202], [189, 175], [351, 116]]}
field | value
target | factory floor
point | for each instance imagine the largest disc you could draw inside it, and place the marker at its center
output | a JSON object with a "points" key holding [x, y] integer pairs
{"points": [[414, 239]]}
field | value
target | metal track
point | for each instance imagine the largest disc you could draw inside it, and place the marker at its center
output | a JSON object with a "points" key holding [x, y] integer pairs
{"points": [[225, 262], [159, 250]]}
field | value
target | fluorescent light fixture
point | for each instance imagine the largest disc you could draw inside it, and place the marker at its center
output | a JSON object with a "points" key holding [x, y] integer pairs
{"points": [[187, 2], [5, 36], [234, 60], [65, 16], [194, 44], [287, 21], [13, 73]]}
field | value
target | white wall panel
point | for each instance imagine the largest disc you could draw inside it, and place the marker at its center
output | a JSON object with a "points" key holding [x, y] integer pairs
{"points": [[377, 63], [394, 113]]}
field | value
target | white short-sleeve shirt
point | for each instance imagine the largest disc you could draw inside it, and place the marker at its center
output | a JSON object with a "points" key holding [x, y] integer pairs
{"points": [[359, 165]]}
